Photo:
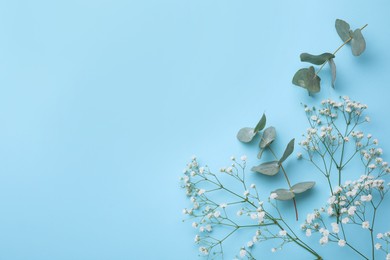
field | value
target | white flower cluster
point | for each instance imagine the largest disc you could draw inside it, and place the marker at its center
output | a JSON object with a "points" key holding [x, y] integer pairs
{"points": [[207, 213], [324, 134], [384, 243], [349, 203]]}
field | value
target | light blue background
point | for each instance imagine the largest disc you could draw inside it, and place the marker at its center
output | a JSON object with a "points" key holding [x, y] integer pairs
{"points": [[103, 102]]}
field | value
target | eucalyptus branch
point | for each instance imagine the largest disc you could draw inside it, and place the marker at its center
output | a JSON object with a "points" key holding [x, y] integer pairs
{"points": [[308, 78]]}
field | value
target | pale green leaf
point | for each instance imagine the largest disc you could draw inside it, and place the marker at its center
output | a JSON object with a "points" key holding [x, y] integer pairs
{"points": [[306, 78], [246, 134], [284, 194], [261, 124], [332, 66], [316, 59], [268, 168], [268, 137], [260, 153], [358, 43], [302, 186], [288, 151], [342, 28]]}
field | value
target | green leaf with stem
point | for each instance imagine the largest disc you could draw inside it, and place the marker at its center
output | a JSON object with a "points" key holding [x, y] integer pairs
{"points": [[246, 134], [261, 124], [268, 168], [284, 194], [358, 43], [308, 79], [302, 186], [342, 28], [332, 66], [288, 151], [316, 59]]}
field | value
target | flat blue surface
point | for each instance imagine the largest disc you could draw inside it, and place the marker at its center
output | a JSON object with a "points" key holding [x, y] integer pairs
{"points": [[103, 102]]}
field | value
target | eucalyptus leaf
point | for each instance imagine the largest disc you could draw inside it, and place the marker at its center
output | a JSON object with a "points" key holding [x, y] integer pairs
{"points": [[288, 151], [260, 153], [246, 134], [342, 28], [268, 137], [316, 59], [358, 43], [302, 186], [268, 168], [332, 66], [284, 194], [261, 124], [306, 78]]}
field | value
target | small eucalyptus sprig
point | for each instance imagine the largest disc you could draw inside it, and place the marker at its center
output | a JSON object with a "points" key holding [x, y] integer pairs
{"points": [[308, 78], [271, 168]]}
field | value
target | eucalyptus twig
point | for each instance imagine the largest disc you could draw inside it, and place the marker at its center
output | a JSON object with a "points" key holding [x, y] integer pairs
{"points": [[308, 78]]}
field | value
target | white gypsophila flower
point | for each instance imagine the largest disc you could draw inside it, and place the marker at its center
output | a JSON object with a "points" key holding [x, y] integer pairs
{"points": [[203, 250], [217, 214], [253, 215], [345, 220], [341, 242], [378, 246], [223, 205], [253, 186], [242, 252], [310, 218], [273, 195], [246, 193], [299, 155], [351, 210], [194, 224], [308, 232], [273, 250], [366, 198], [239, 213], [243, 158], [365, 225], [324, 240], [201, 191], [388, 257], [282, 233], [209, 228], [232, 158], [197, 238], [379, 235], [330, 211], [249, 244], [335, 227]]}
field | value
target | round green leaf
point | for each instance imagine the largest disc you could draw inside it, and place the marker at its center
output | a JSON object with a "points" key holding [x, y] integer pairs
{"points": [[316, 59], [358, 43], [302, 186], [268, 168], [246, 134], [342, 28], [268, 137], [306, 78], [284, 194]]}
